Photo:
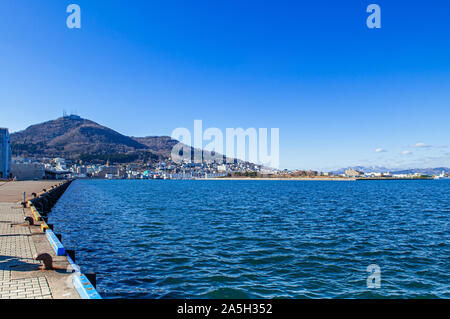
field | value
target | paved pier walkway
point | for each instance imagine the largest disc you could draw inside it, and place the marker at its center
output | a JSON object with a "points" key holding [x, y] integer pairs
{"points": [[21, 276]]}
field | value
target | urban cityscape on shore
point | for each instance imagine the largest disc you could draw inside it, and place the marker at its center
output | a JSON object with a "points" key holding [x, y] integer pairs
{"points": [[21, 168]]}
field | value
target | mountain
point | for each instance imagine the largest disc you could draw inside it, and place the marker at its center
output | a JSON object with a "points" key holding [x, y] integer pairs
{"points": [[158, 144], [75, 138], [379, 169], [426, 171], [375, 169]]}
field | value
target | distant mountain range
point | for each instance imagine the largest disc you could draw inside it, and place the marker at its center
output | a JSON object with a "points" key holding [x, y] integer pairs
{"points": [[75, 138], [379, 169]]}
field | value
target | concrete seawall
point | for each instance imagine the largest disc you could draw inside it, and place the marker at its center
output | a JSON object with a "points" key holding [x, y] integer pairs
{"points": [[28, 244], [45, 200]]}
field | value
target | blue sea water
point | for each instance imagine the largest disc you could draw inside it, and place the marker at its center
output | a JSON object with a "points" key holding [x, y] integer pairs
{"points": [[259, 239]]}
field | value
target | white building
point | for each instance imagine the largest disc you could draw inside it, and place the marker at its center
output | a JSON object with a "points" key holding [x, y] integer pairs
{"points": [[401, 176], [59, 164], [374, 174], [27, 171], [222, 168], [353, 173], [5, 154]]}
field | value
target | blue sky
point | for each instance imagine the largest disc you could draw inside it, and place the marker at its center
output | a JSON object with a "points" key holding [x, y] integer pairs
{"points": [[337, 90]]}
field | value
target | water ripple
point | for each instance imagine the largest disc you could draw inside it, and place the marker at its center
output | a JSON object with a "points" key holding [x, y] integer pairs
{"points": [[259, 239]]}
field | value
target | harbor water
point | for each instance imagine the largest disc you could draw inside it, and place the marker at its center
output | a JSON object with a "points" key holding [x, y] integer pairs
{"points": [[259, 239]]}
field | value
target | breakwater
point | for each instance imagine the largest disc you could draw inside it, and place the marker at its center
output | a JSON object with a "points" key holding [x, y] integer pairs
{"points": [[45, 200], [40, 206]]}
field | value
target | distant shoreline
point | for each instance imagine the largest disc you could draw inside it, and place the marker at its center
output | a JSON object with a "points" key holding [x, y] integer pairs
{"points": [[337, 179], [276, 179]]}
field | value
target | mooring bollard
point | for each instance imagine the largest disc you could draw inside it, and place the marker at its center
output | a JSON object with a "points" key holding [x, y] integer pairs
{"points": [[92, 277], [47, 259], [30, 220]]}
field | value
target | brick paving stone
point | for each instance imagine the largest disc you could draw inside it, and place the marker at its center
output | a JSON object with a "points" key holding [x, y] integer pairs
{"points": [[17, 250]]}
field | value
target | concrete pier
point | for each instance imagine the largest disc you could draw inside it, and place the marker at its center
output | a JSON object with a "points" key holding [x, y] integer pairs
{"points": [[21, 276]]}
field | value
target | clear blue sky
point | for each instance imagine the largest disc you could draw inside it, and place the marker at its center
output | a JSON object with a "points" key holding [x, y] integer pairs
{"points": [[337, 90]]}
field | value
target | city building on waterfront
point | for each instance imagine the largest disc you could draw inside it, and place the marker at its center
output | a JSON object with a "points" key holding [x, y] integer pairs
{"points": [[5, 154], [25, 169], [353, 173], [59, 163]]}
